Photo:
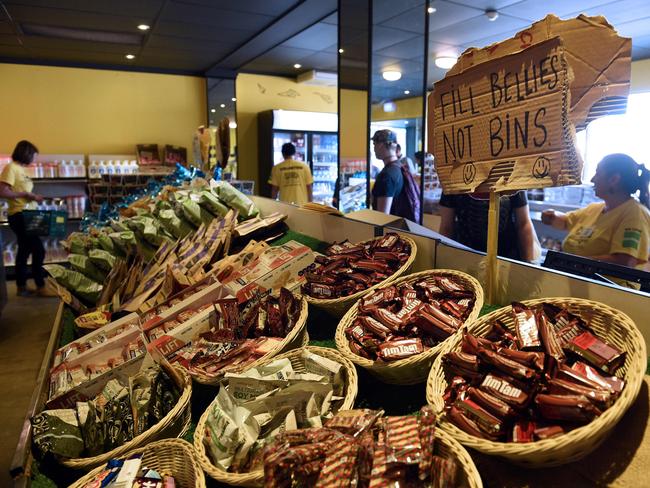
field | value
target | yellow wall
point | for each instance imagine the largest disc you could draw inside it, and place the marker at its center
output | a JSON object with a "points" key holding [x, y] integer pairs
{"points": [[256, 93], [73, 110], [640, 78], [406, 108], [353, 134]]}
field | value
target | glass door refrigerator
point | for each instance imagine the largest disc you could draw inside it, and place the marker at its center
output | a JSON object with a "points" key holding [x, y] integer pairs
{"points": [[315, 136]]}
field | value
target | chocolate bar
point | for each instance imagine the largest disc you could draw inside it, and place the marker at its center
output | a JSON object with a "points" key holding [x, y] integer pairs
{"points": [[549, 339], [531, 359], [399, 349], [375, 327], [463, 360], [611, 383], [444, 472], [491, 403], [427, 433], [523, 431], [571, 408], [388, 318], [402, 440], [548, 432], [526, 326], [487, 422], [505, 390], [464, 423], [604, 356], [507, 366], [601, 398]]}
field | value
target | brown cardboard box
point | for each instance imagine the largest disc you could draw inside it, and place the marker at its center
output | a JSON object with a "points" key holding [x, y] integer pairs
{"points": [[599, 57], [503, 124]]}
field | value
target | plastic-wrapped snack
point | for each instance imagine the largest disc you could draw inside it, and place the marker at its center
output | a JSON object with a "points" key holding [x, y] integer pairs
{"points": [[76, 243], [325, 367], [102, 259], [427, 431], [176, 226], [117, 417], [235, 199], [57, 432], [230, 431], [92, 428], [124, 240], [443, 472], [195, 213], [164, 396], [402, 441], [210, 202], [353, 422], [339, 469], [107, 244], [75, 282], [84, 265], [140, 388]]}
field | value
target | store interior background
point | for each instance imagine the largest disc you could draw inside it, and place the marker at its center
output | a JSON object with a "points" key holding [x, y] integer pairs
{"points": [[68, 86]]}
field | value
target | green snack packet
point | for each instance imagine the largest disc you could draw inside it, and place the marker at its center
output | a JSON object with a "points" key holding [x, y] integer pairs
{"points": [[84, 265], [195, 213], [118, 226], [57, 432], [76, 243], [160, 206], [235, 199], [107, 244], [102, 259], [125, 241], [92, 428], [210, 201], [140, 387], [176, 226], [75, 282]]}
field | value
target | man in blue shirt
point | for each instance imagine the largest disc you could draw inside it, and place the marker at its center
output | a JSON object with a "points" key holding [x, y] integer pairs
{"points": [[389, 182]]}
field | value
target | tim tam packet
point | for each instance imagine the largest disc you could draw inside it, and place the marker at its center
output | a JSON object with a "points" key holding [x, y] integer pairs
{"points": [[361, 448], [254, 407], [550, 375]]}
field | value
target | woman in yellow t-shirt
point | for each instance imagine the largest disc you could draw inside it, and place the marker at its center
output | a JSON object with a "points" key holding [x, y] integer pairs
{"points": [[618, 229], [16, 188]]}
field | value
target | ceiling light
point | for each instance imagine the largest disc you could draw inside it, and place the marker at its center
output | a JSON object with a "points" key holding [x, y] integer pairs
{"points": [[232, 125], [297, 66], [491, 14], [144, 27], [213, 110], [389, 107], [233, 99], [406, 122], [431, 10], [407, 92], [223, 105], [130, 56], [445, 62], [392, 75], [341, 51]]}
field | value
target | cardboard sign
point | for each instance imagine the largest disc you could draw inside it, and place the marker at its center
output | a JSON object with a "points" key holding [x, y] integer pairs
{"points": [[599, 58], [503, 124]]}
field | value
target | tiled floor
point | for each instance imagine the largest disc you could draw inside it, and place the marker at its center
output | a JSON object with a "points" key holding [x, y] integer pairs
{"points": [[25, 327]]}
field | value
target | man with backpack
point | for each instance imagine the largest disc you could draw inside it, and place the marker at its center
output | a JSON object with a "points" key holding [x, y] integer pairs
{"points": [[395, 191]]}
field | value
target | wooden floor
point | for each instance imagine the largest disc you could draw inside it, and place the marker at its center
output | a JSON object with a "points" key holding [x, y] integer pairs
{"points": [[25, 327]]}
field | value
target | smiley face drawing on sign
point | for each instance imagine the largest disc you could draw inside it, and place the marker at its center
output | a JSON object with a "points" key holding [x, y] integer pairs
{"points": [[469, 172], [541, 167]]}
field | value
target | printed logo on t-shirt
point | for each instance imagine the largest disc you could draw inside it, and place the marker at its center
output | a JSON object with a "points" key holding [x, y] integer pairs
{"points": [[631, 238]]}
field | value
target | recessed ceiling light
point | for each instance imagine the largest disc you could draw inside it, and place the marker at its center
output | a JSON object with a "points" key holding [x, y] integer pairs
{"points": [[144, 27], [431, 10], [232, 125], [341, 51], [130, 56], [233, 99], [445, 62], [407, 92], [491, 14], [213, 110], [223, 105], [297, 66], [392, 75]]}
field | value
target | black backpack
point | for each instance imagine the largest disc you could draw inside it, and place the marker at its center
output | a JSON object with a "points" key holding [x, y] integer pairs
{"points": [[407, 203]]}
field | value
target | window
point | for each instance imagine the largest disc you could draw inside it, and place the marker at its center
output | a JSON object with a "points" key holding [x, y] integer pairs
{"points": [[628, 133]]}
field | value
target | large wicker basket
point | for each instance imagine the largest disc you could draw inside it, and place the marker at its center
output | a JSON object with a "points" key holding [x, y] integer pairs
{"points": [[610, 324], [173, 456], [297, 337], [414, 369], [175, 424], [338, 306], [256, 478]]}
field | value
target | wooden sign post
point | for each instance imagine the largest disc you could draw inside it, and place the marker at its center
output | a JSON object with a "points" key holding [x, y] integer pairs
{"points": [[503, 125]]}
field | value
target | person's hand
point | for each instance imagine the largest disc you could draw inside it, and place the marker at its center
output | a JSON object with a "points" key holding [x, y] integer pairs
{"points": [[33, 197], [548, 216]]}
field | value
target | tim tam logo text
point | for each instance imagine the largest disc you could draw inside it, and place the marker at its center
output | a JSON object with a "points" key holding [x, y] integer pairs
{"points": [[501, 386]]}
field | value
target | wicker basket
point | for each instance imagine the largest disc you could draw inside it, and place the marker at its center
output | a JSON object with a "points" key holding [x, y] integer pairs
{"points": [[609, 323], [446, 446], [174, 456], [338, 306], [256, 478], [175, 424], [414, 369], [296, 338]]}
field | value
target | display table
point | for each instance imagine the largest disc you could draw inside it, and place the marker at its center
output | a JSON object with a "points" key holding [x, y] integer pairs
{"points": [[621, 460]]}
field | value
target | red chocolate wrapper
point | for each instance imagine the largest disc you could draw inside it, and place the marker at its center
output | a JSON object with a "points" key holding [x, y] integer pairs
{"points": [[400, 349], [507, 366], [548, 432], [358, 349], [570, 408], [600, 398], [444, 473], [611, 383], [492, 404], [387, 318], [549, 339], [506, 390], [464, 423], [487, 422], [526, 326], [340, 465], [427, 432], [533, 360], [523, 431], [604, 356], [375, 327], [402, 440], [435, 310], [463, 360], [432, 326]]}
